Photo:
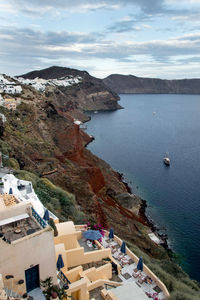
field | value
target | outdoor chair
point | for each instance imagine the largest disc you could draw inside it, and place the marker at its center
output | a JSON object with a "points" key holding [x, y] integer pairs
{"points": [[148, 280], [94, 246], [124, 261]]}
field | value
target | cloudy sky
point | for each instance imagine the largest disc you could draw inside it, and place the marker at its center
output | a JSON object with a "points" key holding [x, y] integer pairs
{"points": [[148, 38]]}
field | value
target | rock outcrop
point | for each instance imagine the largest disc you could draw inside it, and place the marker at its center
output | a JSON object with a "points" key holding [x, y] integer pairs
{"points": [[129, 84]]}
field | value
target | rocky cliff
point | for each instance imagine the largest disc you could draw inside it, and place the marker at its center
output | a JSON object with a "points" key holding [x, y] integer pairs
{"points": [[74, 91], [129, 84], [41, 136]]}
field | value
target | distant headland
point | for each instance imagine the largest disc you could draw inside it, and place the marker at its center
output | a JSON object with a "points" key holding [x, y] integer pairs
{"points": [[129, 84]]}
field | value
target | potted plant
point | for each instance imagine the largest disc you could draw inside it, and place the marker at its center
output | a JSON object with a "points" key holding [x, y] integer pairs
{"points": [[52, 291]]}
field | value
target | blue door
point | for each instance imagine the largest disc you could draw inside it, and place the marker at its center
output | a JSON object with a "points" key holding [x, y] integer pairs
{"points": [[32, 278]]}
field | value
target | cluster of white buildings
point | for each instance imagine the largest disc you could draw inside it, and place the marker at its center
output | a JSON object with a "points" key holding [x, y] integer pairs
{"points": [[11, 88], [41, 84], [8, 86]]}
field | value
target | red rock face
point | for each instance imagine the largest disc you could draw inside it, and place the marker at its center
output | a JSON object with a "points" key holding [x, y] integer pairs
{"points": [[72, 150], [95, 179]]}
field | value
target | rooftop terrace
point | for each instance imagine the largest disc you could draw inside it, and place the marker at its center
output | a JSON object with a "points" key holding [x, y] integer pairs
{"points": [[18, 229], [141, 285]]}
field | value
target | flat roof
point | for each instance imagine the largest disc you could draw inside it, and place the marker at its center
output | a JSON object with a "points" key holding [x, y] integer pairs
{"points": [[129, 291], [14, 219], [65, 228]]}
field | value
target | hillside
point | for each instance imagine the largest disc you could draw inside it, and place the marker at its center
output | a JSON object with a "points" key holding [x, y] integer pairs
{"points": [[42, 143], [129, 84], [42, 137], [74, 91]]}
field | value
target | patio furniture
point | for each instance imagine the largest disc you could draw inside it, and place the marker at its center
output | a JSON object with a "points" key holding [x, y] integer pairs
{"points": [[94, 246], [117, 255], [149, 280], [113, 250], [89, 244], [141, 278], [136, 273]]}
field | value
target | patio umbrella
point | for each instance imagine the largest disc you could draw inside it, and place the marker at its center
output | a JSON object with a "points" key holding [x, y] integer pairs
{"points": [[92, 234], [111, 234], [123, 248], [140, 264], [46, 215], [10, 191], [60, 263]]}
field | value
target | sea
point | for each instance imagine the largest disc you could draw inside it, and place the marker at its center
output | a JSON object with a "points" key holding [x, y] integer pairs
{"points": [[134, 141]]}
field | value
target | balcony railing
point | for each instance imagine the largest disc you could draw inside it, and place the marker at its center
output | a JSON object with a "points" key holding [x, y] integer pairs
{"points": [[38, 218]]}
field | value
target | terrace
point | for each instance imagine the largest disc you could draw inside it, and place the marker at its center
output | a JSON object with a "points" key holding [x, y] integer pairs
{"points": [[104, 272], [144, 284], [17, 219], [20, 191], [19, 228]]}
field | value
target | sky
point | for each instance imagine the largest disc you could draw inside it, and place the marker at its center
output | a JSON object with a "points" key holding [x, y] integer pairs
{"points": [[146, 38]]}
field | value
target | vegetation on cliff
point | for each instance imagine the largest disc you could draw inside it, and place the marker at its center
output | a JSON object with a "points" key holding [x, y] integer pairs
{"points": [[60, 202]]}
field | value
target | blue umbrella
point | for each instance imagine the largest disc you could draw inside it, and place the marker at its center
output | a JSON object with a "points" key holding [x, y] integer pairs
{"points": [[92, 235], [123, 248], [140, 264], [10, 191], [111, 234], [46, 215], [60, 263]]}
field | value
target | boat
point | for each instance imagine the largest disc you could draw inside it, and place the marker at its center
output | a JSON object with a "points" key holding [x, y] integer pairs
{"points": [[166, 160]]}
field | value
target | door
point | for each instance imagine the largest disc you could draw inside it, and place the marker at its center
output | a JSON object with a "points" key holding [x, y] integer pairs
{"points": [[32, 278]]}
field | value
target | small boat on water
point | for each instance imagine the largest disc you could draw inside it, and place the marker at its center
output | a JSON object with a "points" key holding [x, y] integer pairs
{"points": [[166, 160]]}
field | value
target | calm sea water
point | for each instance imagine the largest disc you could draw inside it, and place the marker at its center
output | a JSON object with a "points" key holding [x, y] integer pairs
{"points": [[135, 139]]}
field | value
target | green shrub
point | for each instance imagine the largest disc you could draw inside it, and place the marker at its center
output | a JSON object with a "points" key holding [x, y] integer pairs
{"points": [[5, 147], [60, 202], [182, 296], [13, 164], [25, 175]]}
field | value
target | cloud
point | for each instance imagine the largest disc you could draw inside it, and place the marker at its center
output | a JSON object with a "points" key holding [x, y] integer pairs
{"points": [[122, 26], [29, 48], [148, 6], [129, 24], [33, 43]]}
